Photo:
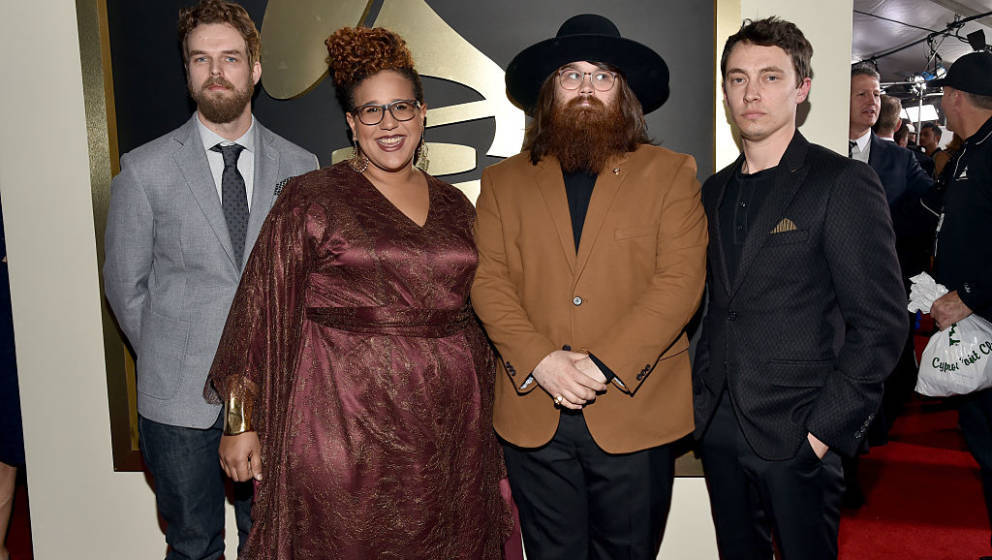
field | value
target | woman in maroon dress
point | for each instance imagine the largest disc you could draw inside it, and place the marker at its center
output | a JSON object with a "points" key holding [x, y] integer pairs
{"points": [[357, 383]]}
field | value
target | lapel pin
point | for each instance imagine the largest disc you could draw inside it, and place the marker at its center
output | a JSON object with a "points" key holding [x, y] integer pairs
{"points": [[616, 170]]}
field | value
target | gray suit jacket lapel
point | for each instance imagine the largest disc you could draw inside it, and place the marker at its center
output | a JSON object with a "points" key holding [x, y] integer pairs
{"points": [[263, 194], [192, 161]]}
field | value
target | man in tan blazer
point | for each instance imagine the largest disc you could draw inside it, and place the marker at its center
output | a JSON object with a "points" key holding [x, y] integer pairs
{"points": [[591, 262]]}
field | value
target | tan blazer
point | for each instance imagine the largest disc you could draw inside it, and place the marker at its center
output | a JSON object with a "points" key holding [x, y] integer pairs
{"points": [[626, 296]]}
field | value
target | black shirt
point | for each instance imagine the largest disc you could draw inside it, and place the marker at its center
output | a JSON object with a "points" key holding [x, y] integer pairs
{"points": [[964, 242], [740, 205], [578, 189]]}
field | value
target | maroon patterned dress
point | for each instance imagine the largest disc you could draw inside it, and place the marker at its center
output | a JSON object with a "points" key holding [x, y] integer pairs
{"points": [[371, 380]]}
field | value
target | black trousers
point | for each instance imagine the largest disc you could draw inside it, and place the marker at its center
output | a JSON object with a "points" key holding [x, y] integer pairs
{"points": [[975, 420], [577, 501], [796, 500]]}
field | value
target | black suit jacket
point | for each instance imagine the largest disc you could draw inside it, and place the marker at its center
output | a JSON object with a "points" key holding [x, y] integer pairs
{"points": [[905, 182], [898, 169], [925, 161], [815, 318]]}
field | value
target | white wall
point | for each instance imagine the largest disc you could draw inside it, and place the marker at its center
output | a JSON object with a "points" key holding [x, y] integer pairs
{"points": [[828, 26], [81, 508]]}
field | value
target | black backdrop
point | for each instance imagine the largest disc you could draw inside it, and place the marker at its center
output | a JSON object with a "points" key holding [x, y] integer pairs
{"points": [[151, 99]]}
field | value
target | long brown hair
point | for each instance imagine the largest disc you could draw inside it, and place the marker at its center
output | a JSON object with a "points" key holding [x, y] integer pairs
{"points": [[539, 132]]}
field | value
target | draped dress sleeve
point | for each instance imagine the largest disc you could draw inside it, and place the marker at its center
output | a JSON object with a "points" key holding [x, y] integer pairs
{"points": [[255, 360]]}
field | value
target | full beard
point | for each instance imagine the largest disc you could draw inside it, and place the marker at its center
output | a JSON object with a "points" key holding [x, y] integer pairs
{"points": [[221, 109], [585, 138]]}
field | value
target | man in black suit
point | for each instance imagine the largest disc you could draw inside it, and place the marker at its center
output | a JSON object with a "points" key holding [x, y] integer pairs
{"points": [[806, 314]]}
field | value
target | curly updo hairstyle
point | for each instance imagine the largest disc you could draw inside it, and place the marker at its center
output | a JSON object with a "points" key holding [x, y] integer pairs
{"points": [[355, 53]]}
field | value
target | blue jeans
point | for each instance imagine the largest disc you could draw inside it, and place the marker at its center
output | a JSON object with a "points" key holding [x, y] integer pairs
{"points": [[189, 489]]}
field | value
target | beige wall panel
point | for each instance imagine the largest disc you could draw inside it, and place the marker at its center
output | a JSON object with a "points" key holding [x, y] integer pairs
{"points": [[828, 26], [80, 508]]}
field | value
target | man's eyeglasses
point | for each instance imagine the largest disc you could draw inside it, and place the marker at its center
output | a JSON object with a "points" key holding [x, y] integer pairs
{"points": [[602, 80], [402, 110]]}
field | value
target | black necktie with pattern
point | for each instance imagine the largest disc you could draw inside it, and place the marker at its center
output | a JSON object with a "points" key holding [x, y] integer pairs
{"points": [[234, 199], [850, 147]]}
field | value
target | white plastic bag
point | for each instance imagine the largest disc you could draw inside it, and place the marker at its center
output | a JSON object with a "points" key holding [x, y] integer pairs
{"points": [[957, 360]]}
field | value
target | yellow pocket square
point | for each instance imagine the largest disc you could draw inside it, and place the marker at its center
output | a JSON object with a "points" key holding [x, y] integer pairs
{"points": [[785, 225]]}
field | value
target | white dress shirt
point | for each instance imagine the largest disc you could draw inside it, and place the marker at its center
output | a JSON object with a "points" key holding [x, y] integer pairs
{"points": [[246, 160], [862, 150]]}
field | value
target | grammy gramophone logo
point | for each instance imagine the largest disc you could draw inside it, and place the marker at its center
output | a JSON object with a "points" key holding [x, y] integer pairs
{"points": [[295, 61]]}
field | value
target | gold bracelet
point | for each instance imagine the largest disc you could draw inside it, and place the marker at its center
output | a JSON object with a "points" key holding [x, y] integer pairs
{"points": [[237, 415]]}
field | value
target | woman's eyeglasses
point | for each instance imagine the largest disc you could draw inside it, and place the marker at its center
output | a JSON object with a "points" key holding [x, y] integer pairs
{"points": [[402, 110]]}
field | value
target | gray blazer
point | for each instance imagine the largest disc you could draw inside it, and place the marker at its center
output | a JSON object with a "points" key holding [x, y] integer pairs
{"points": [[169, 273]]}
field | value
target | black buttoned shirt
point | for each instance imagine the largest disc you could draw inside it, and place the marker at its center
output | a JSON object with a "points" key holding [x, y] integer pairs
{"points": [[740, 205]]}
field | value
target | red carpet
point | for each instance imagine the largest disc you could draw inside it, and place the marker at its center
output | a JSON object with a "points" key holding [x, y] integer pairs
{"points": [[924, 495]]}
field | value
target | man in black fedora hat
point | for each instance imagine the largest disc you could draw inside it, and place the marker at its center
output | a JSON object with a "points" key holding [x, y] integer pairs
{"points": [[591, 262], [963, 252], [806, 313]]}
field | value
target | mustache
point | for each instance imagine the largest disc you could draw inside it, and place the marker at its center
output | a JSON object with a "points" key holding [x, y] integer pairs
{"points": [[217, 81], [594, 103]]}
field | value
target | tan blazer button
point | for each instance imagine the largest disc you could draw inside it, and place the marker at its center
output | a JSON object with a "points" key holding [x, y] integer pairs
{"points": [[577, 300]]}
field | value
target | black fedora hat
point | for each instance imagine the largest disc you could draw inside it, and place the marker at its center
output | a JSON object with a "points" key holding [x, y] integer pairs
{"points": [[592, 38]]}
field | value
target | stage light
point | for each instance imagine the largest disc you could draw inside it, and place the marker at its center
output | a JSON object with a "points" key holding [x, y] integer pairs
{"points": [[912, 113], [977, 40]]}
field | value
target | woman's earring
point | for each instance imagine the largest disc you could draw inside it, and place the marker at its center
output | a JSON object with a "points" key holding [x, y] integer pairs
{"points": [[423, 157], [358, 162]]}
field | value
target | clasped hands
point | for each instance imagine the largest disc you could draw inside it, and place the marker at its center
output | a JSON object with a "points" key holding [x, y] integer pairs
{"points": [[570, 375]]}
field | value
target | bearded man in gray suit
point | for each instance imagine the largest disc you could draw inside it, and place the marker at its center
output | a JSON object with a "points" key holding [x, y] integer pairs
{"points": [[185, 211]]}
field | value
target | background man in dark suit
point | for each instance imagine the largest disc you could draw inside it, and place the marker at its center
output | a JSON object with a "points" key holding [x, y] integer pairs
{"points": [[185, 211], [806, 315], [930, 135], [905, 182], [890, 126], [896, 166]]}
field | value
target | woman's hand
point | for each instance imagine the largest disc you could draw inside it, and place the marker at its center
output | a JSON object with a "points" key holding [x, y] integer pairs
{"points": [[241, 456]]}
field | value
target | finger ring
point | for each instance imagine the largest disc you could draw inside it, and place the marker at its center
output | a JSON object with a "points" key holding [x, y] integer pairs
{"points": [[559, 399]]}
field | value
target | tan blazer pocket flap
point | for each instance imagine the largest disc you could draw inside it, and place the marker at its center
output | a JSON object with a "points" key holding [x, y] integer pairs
{"points": [[638, 231]]}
